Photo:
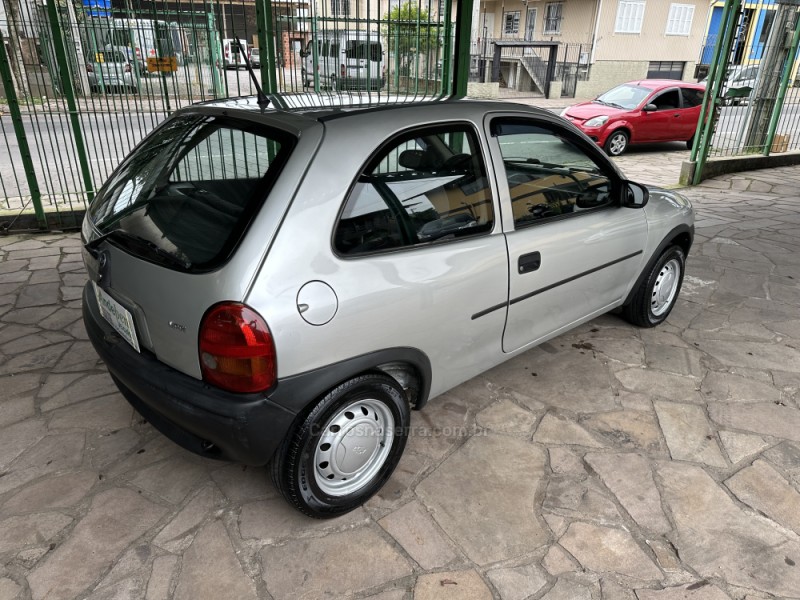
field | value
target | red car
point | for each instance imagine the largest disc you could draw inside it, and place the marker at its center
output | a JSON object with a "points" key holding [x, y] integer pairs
{"points": [[637, 112]]}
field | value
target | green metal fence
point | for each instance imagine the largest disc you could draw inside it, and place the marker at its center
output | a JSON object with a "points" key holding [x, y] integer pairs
{"points": [[83, 81], [752, 101]]}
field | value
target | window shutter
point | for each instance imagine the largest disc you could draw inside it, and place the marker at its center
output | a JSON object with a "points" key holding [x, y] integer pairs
{"points": [[630, 14]]}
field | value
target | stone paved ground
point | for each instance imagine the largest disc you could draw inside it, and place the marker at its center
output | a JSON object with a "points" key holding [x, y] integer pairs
{"points": [[610, 463]]}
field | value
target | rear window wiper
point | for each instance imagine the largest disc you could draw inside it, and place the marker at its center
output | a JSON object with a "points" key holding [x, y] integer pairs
{"points": [[130, 240]]}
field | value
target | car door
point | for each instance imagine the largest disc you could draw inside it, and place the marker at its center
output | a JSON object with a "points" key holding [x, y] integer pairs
{"points": [[573, 250], [692, 100], [421, 255], [659, 125]]}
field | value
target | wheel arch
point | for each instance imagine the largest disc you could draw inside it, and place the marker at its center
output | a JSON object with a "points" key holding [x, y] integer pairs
{"points": [[409, 367], [621, 125], [681, 236]]}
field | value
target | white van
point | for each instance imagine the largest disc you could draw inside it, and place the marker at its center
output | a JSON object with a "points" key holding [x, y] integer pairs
{"points": [[139, 40], [345, 60], [232, 58]]}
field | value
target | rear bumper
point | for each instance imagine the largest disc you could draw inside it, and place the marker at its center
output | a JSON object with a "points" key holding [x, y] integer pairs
{"points": [[245, 428]]}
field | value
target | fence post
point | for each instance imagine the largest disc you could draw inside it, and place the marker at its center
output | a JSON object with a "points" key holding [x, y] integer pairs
{"points": [[787, 71], [447, 78], [68, 90], [463, 33], [708, 114], [267, 43], [19, 130]]}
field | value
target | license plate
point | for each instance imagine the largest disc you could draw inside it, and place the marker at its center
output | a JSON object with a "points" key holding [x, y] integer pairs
{"points": [[117, 316]]}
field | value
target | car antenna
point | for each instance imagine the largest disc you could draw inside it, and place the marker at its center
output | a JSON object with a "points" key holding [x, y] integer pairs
{"points": [[263, 101]]}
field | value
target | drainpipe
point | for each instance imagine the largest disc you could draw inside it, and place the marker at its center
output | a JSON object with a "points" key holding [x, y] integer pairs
{"points": [[596, 27]]}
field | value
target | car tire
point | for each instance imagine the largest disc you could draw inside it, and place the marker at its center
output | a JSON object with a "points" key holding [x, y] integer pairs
{"points": [[690, 143], [616, 143], [655, 297], [368, 417]]}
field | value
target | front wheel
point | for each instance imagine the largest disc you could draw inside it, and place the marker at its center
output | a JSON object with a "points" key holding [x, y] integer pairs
{"points": [[655, 297], [345, 449], [616, 143]]}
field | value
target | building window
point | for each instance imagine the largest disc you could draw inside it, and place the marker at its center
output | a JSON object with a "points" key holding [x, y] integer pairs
{"points": [[665, 69], [630, 14], [552, 17], [679, 21], [340, 8], [511, 23]]}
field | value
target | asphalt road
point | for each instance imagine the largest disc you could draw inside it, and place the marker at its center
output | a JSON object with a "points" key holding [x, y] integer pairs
{"points": [[109, 137]]}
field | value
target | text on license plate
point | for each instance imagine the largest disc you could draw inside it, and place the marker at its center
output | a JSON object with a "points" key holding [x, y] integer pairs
{"points": [[117, 316]]}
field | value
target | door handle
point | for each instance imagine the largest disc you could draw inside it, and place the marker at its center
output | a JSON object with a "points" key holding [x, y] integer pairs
{"points": [[677, 115], [529, 262]]}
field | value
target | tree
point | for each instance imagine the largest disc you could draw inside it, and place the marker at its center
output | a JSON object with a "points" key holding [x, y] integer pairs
{"points": [[410, 32]]}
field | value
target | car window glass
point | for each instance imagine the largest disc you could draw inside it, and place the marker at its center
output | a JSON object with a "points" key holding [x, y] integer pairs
{"points": [[624, 96], [428, 186], [748, 73], [190, 190], [548, 176], [667, 101], [691, 97]]}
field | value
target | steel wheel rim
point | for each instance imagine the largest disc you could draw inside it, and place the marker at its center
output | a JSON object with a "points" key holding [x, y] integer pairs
{"points": [[353, 447], [617, 143], [665, 287]]}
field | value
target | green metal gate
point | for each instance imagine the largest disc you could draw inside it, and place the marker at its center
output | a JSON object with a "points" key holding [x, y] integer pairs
{"points": [[83, 81]]}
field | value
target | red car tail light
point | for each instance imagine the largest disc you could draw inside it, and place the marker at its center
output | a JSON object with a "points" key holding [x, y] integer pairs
{"points": [[343, 71], [237, 352]]}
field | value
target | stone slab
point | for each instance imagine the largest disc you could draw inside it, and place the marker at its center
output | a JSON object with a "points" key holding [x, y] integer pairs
{"points": [[418, 534], [489, 513], [715, 538], [115, 518], [211, 569], [688, 434], [764, 489], [630, 479], [607, 550], [518, 583], [451, 585], [354, 560]]}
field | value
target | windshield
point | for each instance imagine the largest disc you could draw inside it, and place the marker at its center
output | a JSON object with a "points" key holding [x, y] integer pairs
{"points": [[189, 191], [371, 50], [624, 96]]}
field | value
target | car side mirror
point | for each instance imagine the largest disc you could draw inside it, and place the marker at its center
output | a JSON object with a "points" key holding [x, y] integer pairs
{"points": [[634, 195], [650, 108]]}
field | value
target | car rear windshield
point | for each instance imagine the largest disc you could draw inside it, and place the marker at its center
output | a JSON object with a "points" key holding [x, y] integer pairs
{"points": [[185, 197], [371, 51]]}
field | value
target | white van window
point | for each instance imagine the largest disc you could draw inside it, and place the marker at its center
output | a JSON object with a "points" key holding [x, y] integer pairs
{"points": [[364, 50]]}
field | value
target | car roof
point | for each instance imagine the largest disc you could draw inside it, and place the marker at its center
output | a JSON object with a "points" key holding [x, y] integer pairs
{"points": [[328, 106], [657, 84]]}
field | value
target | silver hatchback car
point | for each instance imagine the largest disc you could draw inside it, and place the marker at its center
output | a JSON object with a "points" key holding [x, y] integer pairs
{"points": [[284, 285]]}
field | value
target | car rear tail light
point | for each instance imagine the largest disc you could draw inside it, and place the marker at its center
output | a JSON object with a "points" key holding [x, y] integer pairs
{"points": [[127, 68], [343, 71], [138, 53], [152, 51], [237, 352]]}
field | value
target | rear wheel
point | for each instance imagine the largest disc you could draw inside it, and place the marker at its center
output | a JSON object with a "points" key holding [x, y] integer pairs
{"points": [[656, 295], [690, 143], [345, 449], [616, 143]]}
